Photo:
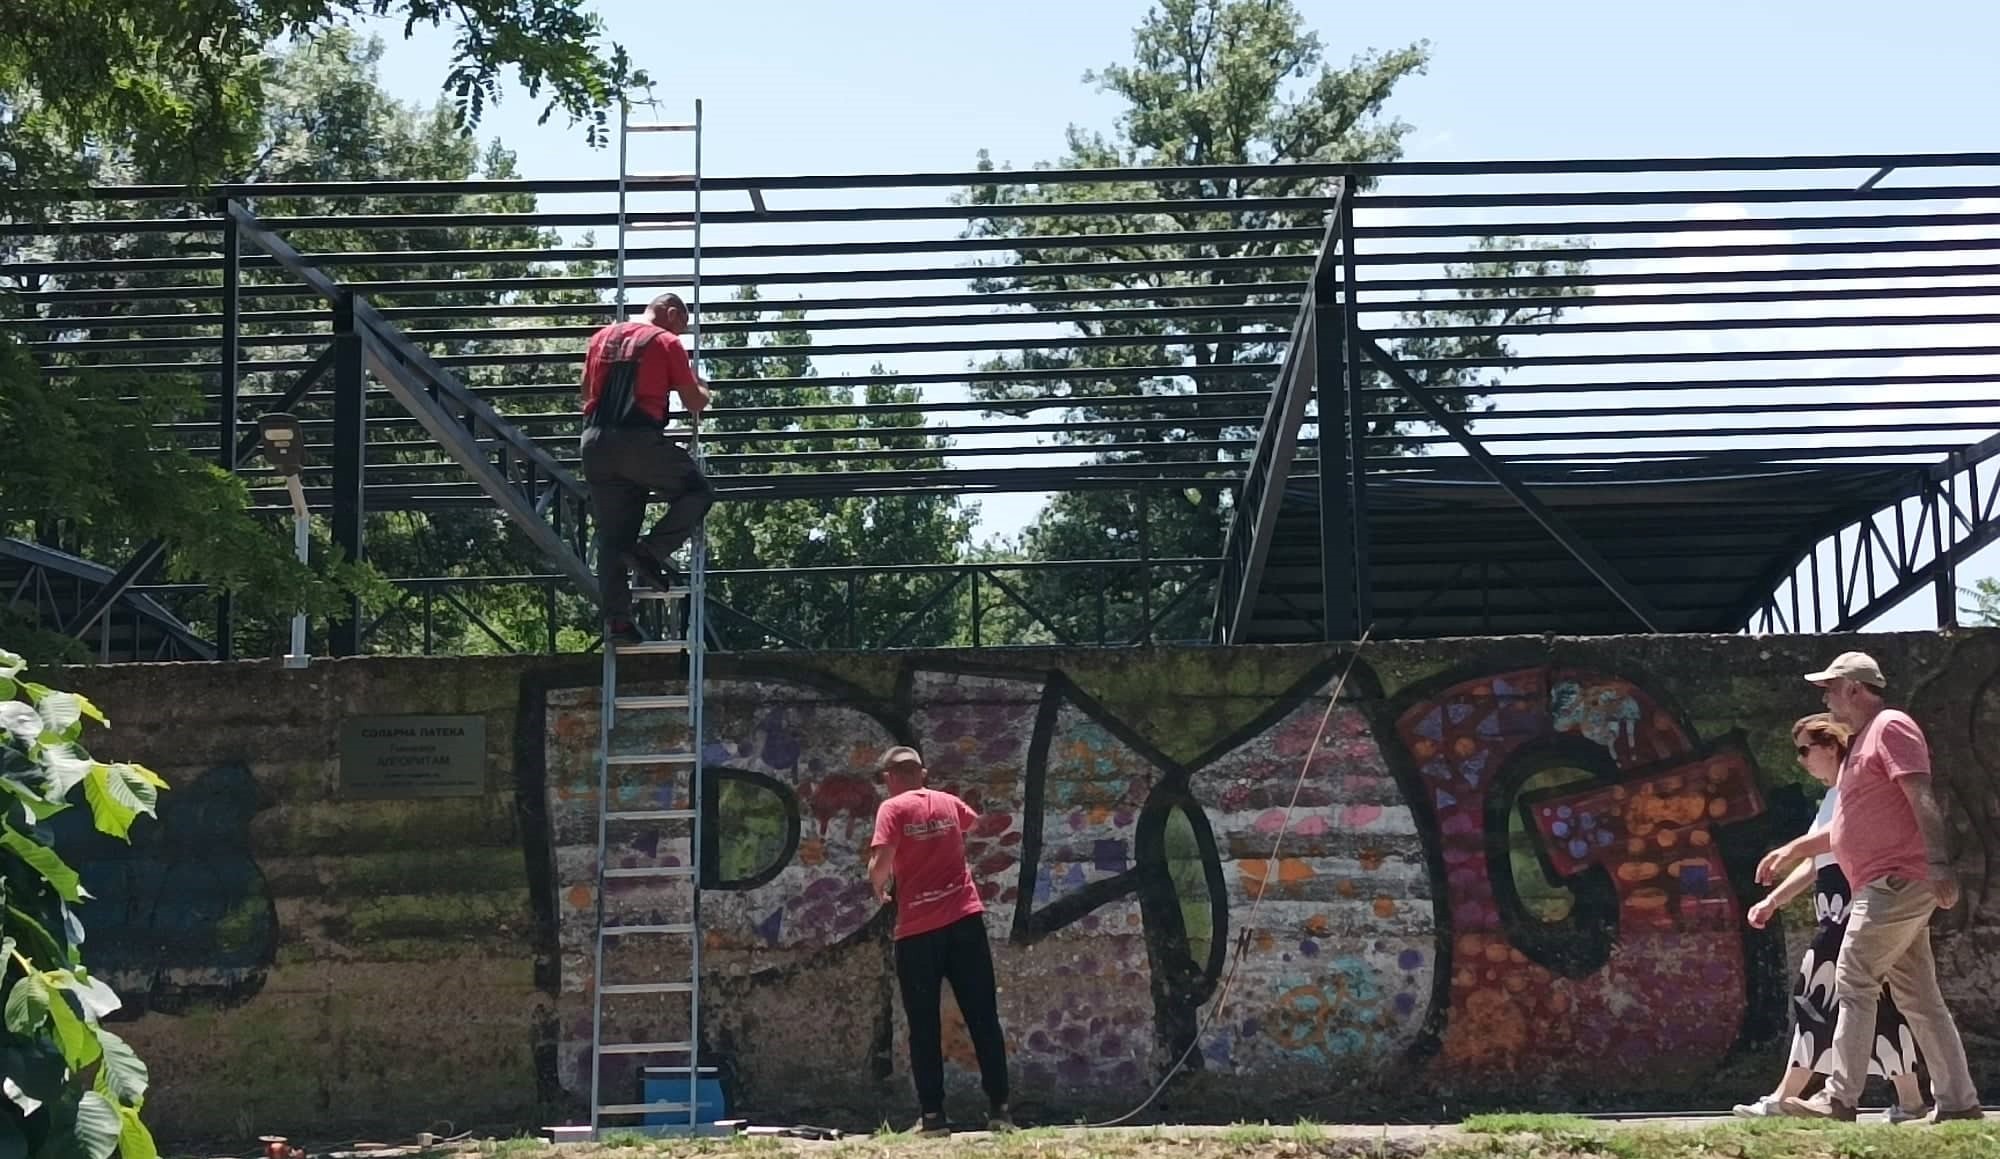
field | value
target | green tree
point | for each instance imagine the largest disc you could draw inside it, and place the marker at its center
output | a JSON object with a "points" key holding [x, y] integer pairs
{"points": [[330, 119], [325, 117], [175, 84], [1983, 610], [74, 1090], [183, 92], [789, 433], [1211, 82]]}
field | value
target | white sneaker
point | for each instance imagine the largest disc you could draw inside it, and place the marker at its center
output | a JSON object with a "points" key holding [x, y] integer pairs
{"points": [[1899, 1114], [1764, 1108]]}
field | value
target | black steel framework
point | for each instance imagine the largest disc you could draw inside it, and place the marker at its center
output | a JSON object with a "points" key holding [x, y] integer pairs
{"points": [[1443, 398], [111, 618]]}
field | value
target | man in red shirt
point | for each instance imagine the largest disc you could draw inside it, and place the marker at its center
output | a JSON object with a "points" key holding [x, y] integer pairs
{"points": [[629, 376], [1889, 836], [919, 845]]}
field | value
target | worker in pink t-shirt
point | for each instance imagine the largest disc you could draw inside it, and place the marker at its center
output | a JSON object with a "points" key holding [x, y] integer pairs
{"points": [[1888, 835], [919, 846]]}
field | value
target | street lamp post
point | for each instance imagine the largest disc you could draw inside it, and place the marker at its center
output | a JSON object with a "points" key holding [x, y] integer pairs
{"points": [[285, 447]]}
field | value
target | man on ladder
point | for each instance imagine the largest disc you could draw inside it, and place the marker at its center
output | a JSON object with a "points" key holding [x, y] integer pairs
{"points": [[630, 373]]}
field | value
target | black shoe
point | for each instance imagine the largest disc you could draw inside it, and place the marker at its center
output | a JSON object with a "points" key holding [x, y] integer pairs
{"points": [[658, 574], [999, 1120], [622, 630], [932, 1125]]}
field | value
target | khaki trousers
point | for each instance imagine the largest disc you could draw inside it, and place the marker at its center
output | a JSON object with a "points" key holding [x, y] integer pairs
{"points": [[1889, 940]]}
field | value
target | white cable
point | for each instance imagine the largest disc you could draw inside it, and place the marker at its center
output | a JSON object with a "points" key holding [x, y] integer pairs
{"points": [[1263, 883]]}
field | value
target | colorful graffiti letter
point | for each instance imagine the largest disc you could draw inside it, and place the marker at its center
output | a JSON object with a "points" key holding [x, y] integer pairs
{"points": [[1594, 931]]}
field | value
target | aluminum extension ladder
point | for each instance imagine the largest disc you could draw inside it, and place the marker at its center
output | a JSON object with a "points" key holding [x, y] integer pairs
{"points": [[643, 792]]}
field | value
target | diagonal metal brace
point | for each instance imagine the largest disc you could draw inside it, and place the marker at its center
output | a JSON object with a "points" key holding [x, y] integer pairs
{"points": [[1561, 531], [301, 386], [1253, 524], [113, 589], [460, 445]]}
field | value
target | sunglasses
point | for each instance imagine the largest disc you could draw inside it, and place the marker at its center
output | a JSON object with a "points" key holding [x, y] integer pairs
{"points": [[1805, 748]]}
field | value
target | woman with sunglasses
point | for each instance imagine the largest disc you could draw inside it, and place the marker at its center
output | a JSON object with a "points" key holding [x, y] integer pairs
{"points": [[1821, 744]]}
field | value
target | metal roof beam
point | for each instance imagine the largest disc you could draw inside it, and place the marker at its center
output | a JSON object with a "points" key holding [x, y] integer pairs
{"points": [[1557, 527]]}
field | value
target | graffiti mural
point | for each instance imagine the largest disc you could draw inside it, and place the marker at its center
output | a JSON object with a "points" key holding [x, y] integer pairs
{"points": [[1585, 955], [1103, 861], [1525, 884], [1515, 875]]}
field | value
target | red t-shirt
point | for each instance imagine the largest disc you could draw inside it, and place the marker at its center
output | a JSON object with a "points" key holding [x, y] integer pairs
{"points": [[663, 367], [925, 831], [1874, 830]]}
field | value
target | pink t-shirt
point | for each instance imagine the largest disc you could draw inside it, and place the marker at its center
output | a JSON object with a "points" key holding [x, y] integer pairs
{"points": [[1874, 829], [925, 831]]}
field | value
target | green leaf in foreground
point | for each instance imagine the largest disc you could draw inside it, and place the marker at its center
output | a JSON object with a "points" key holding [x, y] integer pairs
{"points": [[123, 1077], [113, 803], [28, 1006], [76, 1038], [134, 1140], [99, 1126], [44, 861]]}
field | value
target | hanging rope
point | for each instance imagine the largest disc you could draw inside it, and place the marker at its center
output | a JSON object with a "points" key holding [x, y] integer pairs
{"points": [[1256, 900]]}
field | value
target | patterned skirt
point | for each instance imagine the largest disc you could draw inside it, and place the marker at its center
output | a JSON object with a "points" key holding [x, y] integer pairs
{"points": [[1813, 1005]]}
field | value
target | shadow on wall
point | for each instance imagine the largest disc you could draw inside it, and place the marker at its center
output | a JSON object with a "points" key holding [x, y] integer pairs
{"points": [[1506, 878], [180, 918]]}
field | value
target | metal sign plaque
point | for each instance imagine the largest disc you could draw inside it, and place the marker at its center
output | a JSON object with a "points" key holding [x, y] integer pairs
{"points": [[413, 756]]}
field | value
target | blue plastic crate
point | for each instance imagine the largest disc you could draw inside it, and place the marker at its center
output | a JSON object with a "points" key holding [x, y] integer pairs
{"points": [[669, 1084]]}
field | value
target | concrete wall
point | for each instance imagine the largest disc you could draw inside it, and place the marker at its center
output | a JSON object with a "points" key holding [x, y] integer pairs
{"points": [[1518, 873]]}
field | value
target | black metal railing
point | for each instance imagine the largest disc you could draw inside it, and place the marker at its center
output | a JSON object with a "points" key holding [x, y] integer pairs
{"points": [[1579, 396], [962, 605]]}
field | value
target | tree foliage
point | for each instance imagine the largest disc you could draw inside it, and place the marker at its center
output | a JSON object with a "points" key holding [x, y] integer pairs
{"points": [[110, 464], [175, 84], [69, 1088], [792, 433], [1983, 606], [188, 92], [330, 119], [1211, 82]]}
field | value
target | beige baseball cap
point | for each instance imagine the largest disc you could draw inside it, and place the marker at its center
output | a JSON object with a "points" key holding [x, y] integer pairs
{"points": [[1852, 666]]}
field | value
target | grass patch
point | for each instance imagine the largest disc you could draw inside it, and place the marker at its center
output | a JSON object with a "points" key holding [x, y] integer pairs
{"points": [[1509, 1136], [1571, 1137], [1541, 1126]]}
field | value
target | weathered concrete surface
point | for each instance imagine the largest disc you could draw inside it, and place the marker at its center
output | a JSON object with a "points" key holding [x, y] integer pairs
{"points": [[1442, 926]]}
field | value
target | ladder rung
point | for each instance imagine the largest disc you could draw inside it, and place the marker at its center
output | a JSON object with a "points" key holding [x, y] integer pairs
{"points": [[650, 815], [643, 1108], [686, 178], [662, 928], [650, 759], [674, 593], [636, 703], [647, 988], [652, 648], [658, 225], [645, 1047], [652, 871], [659, 126]]}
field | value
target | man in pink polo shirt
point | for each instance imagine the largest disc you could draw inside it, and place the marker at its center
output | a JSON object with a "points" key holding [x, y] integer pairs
{"points": [[1889, 836], [919, 845]]}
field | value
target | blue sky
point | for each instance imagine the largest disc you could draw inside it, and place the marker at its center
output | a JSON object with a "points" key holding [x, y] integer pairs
{"points": [[804, 85], [895, 85]]}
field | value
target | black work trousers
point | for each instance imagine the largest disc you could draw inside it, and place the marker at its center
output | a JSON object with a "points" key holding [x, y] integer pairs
{"points": [[957, 953], [628, 467]]}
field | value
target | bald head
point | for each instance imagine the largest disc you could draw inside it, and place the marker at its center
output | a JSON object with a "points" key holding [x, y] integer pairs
{"points": [[669, 313]]}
